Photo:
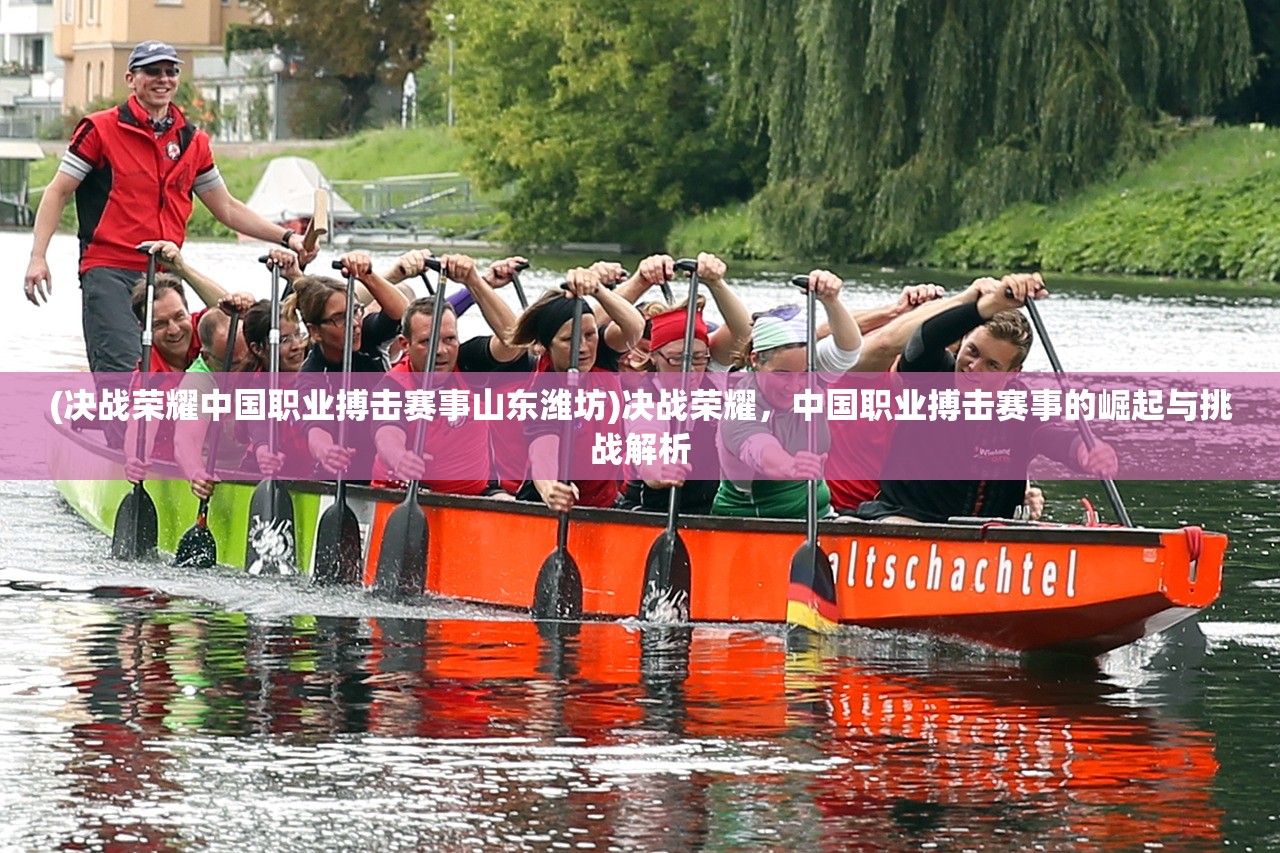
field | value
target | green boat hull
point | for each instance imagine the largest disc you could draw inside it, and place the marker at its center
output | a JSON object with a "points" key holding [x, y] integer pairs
{"points": [[100, 486]]}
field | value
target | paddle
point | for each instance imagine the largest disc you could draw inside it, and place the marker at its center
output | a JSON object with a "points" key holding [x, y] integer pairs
{"points": [[319, 224], [197, 549], [338, 546], [665, 595], [515, 280], [811, 594], [557, 593], [270, 542], [1086, 434], [402, 560], [135, 532]]}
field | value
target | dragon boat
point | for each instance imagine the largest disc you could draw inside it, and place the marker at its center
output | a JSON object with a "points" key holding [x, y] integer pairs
{"points": [[1023, 587]]}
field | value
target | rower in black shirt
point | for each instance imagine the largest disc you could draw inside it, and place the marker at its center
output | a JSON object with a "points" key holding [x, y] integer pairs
{"points": [[322, 301]]}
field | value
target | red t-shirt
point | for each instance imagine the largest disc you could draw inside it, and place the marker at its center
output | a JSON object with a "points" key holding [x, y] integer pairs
{"points": [[467, 441], [593, 493], [866, 442]]}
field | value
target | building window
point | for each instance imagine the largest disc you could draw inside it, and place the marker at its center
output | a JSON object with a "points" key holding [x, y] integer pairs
{"points": [[91, 12], [88, 81], [168, 2], [68, 11]]}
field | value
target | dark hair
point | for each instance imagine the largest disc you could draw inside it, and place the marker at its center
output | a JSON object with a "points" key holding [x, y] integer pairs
{"points": [[164, 282], [1011, 326], [426, 306], [257, 328], [313, 293], [532, 325]]}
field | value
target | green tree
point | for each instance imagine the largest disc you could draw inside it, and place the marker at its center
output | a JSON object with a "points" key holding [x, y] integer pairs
{"points": [[360, 43], [891, 121], [605, 113]]}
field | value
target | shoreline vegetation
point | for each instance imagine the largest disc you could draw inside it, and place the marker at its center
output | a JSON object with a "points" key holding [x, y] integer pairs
{"points": [[1206, 210]]}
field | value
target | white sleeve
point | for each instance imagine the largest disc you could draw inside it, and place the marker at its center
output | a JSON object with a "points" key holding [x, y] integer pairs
{"points": [[829, 358]]}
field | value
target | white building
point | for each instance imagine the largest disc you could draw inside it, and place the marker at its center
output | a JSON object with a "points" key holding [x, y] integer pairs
{"points": [[30, 74]]}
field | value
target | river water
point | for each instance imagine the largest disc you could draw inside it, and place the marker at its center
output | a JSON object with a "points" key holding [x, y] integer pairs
{"points": [[142, 707]]}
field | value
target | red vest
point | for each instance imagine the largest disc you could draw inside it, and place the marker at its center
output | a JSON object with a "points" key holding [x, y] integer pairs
{"points": [[140, 189]]}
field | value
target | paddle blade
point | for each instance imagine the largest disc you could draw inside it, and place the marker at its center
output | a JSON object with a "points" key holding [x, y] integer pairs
{"points": [[338, 547], [270, 546], [557, 594], [134, 534], [811, 595], [666, 580], [402, 560], [197, 549], [319, 225]]}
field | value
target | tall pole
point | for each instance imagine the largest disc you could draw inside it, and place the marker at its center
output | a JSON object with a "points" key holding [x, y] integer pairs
{"points": [[276, 66], [449, 22]]}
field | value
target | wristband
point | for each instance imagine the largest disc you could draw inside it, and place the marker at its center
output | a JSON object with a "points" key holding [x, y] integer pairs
{"points": [[288, 235]]}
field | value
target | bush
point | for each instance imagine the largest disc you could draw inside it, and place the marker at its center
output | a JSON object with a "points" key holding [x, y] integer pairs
{"points": [[730, 232]]}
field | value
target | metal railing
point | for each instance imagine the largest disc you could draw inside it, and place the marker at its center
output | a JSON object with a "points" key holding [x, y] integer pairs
{"points": [[410, 201]]}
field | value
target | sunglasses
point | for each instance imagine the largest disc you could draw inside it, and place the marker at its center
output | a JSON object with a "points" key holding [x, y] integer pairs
{"points": [[156, 71]]}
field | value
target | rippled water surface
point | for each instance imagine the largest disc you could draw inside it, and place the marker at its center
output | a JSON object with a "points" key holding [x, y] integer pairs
{"points": [[143, 707]]}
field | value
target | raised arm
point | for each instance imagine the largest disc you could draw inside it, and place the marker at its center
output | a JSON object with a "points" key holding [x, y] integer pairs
{"points": [[236, 215], [497, 313], [881, 347], [627, 326], [731, 338], [841, 351], [389, 298], [210, 292]]}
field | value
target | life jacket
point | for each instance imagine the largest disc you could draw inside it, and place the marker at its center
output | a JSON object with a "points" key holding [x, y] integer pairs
{"points": [[141, 188]]}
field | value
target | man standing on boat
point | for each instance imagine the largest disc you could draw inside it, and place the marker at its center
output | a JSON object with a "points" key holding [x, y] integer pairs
{"points": [[134, 170], [994, 338]]}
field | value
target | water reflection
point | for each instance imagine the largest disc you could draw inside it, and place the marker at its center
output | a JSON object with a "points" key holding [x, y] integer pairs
{"points": [[194, 724]]}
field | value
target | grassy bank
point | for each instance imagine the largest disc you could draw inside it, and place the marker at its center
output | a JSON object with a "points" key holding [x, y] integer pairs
{"points": [[1209, 209], [368, 155]]}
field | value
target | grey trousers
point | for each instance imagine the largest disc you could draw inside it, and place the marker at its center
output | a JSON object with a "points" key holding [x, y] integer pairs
{"points": [[112, 334]]}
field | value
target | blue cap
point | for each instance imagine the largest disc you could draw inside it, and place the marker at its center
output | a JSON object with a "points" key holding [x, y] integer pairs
{"points": [[150, 52]]}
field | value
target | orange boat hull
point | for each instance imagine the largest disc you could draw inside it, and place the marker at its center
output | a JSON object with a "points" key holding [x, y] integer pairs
{"points": [[1073, 589]]}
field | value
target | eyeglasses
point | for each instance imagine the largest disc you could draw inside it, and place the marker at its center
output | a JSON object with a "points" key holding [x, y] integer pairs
{"points": [[157, 70], [298, 337], [340, 319], [700, 359]]}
